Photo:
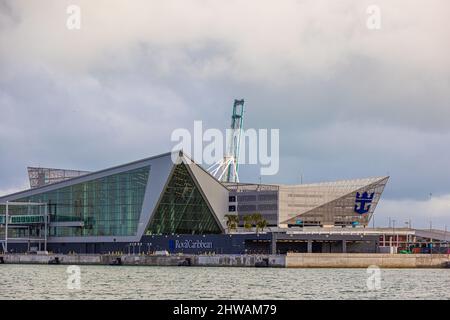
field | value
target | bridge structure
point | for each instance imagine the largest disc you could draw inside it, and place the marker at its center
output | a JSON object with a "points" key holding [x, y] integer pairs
{"points": [[24, 222]]}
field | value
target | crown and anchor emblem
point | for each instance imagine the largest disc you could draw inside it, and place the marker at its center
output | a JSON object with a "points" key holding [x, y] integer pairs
{"points": [[364, 200]]}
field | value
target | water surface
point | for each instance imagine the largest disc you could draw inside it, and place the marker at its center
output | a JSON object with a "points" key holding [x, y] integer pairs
{"points": [[129, 282]]}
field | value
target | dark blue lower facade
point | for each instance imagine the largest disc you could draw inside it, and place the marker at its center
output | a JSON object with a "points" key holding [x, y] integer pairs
{"points": [[264, 243], [190, 244]]}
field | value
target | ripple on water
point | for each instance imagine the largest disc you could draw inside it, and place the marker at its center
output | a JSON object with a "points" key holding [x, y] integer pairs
{"points": [[106, 282]]}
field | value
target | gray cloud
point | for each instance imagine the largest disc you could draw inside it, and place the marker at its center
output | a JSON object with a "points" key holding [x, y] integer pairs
{"points": [[349, 102]]}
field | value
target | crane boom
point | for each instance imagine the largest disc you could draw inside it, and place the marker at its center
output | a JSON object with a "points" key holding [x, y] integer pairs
{"points": [[226, 170]]}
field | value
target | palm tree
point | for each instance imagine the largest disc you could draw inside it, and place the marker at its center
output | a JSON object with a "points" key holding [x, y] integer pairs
{"points": [[235, 222], [232, 221], [262, 224], [248, 222], [256, 218]]}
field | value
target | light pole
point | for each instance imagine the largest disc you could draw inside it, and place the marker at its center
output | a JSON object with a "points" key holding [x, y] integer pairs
{"points": [[445, 239], [445, 234], [407, 223], [6, 226], [393, 231], [431, 236]]}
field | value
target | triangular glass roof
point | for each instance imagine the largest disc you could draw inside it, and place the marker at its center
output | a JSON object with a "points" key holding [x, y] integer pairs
{"points": [[182, 208]]}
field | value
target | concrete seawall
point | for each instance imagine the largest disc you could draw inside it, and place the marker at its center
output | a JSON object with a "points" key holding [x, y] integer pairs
{"points": [[144, 260], [363, 260], [298, 260]]}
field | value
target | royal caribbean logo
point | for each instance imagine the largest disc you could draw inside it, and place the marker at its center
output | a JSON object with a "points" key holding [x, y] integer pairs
{"points": [[364, 200], [189, 244]]}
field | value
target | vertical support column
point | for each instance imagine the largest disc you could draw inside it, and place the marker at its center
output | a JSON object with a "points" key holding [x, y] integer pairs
{"points": [[6, 227], [344, 246], [309, 246], [274, 244], [45, 226], [28, 236]]}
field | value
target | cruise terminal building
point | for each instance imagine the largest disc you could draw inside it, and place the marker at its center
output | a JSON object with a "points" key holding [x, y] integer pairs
{"points": [[159, 204]]}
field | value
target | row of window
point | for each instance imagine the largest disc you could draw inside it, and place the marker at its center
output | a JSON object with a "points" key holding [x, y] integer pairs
{"points": [[252, 207], [251, 197]]}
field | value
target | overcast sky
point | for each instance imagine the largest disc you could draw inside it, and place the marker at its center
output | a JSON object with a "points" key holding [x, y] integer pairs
{"points": [[349, 101]]}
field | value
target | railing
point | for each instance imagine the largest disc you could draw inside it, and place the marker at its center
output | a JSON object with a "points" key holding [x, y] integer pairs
{"points": [[22, 219], [32, 219]]}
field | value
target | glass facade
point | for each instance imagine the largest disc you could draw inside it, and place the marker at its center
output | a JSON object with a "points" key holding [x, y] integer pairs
{"points": [[109, 206], [182, 209], [330, 203]]}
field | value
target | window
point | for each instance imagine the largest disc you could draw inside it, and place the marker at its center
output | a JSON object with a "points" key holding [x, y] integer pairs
{"points": [[246, 207], [247, 198]]}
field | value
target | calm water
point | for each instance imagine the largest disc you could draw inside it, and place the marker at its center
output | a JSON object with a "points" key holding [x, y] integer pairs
{"points": [[109, 282]]}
